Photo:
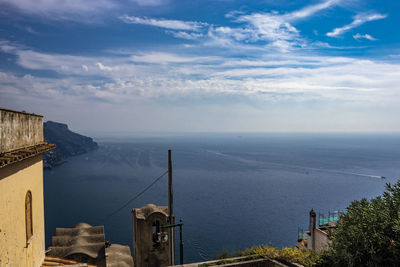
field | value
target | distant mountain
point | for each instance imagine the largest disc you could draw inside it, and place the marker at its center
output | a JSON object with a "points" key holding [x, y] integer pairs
{"points": [[68, 143]]}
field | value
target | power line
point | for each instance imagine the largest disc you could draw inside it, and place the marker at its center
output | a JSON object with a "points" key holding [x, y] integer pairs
{"points": [[135, 197]]}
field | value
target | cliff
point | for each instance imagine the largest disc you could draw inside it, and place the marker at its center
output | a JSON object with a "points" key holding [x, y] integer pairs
{"points": [[68, 143]]}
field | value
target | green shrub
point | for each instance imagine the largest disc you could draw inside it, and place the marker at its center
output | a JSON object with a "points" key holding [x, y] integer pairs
{"points": [[225, 254], [302, 256], [369, 233], [227, 261]]}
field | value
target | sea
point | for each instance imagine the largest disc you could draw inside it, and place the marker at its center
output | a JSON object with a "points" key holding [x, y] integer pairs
{"points": [[231, 191]]}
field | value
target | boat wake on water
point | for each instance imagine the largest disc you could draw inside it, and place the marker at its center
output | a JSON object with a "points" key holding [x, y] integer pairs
{"points": [[262, 163]]}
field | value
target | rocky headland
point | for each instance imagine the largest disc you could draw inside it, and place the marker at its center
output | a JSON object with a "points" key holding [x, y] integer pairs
{"points": [[68, 144]]}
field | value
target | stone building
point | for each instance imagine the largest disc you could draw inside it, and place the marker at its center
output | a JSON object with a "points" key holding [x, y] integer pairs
{"points": [[151, 242], [317, 236], [22, 237]]}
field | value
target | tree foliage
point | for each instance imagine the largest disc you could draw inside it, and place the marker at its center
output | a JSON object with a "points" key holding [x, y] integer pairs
{"points": [[369, 233]]}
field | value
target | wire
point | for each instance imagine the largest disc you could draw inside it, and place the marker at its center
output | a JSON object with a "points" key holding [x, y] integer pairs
{"points": [[135, 197]]}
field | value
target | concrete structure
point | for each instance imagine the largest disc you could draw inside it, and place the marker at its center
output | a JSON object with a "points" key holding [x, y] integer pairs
{"points": [[22, 241], [150, 241], [87, 244], [19, 130], [312, 228]]}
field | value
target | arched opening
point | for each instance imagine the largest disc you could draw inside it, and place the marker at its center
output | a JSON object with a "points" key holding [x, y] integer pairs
{"points": [[28, 216], [156, 233]]}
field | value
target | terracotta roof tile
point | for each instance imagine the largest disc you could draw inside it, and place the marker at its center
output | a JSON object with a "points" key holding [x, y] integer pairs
{"points": [[54, 261], [7, 158]]}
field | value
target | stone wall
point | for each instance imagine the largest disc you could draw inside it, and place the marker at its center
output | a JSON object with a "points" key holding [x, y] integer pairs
{"points": [[19, 129], [149, 249]]}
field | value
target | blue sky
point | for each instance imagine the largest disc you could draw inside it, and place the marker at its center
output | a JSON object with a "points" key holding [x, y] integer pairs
{"points": [[106, 66]]}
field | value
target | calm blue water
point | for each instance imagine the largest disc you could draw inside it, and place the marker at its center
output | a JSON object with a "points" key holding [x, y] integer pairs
{"points": [[231, 191]]}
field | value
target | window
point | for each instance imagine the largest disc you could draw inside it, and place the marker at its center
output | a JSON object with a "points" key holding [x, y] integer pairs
{"points": [[28, 216], [156, 233]]}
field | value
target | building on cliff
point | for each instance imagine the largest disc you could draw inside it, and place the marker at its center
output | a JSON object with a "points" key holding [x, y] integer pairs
{"points": [[22, 237], [317, 237]]}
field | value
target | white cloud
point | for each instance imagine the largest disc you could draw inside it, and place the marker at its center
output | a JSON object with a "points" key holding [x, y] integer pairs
{"points": [[8, 47], [162, 58], [141, 84], [87, 11], [153, 75], [364, 36], [358, 21], [271, 28], [102, 67], [165, 23], [30, 30], [311, 10], [55, 62], [274, 28], [186, 35], [61, 9]]}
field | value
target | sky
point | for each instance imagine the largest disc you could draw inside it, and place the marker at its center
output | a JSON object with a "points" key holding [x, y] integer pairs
{"points": [[169, 66]]}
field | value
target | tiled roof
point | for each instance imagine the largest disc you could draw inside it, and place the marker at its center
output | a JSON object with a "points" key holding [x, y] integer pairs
{"points": [[322, 232], [301, 244], [118, 256], [21, 112], [82, 242], [7, 158], [86, 243], [53, 261]]}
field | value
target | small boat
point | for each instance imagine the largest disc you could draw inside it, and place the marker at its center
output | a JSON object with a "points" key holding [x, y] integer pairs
{"points": [[383, 177]]}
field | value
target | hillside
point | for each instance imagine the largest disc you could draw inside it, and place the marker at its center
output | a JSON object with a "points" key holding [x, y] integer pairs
{"points": [[68, 143]]}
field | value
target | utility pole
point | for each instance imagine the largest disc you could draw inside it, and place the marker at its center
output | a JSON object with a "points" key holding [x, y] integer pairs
{"points": [[180, 243], [170, 208]]}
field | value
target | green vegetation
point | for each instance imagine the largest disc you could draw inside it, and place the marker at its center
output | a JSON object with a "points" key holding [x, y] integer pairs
{"points": [[227, 261], [369, 233], [302, 256]]}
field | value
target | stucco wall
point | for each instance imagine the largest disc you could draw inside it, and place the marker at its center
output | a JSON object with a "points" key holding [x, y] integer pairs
{"points": [[321, 240], [15, 181], [18, 129]]}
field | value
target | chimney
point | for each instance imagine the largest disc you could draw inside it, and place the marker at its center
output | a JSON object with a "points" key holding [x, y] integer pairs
{"points": [[313, 222]]}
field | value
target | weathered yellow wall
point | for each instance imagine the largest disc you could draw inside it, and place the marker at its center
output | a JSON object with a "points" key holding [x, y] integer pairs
{"points": [[15, 181]]}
